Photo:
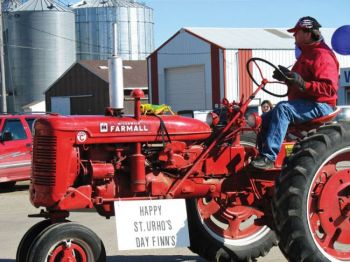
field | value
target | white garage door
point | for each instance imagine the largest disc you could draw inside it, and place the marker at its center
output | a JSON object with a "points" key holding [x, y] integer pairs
{"points": [[185, 88]]}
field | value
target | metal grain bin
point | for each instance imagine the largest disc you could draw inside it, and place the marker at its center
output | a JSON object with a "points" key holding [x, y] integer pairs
{"points": [[7, 7], [41, 47], [94, 21]]}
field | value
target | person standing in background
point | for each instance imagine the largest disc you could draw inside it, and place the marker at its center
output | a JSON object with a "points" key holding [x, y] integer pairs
{"points": [[266, 106]]}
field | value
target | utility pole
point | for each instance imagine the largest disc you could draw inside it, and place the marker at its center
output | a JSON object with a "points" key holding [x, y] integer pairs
{"points": [[2, 65]]}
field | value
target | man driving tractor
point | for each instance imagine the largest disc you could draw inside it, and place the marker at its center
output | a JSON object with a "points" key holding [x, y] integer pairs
{"points": [[312, 85]]}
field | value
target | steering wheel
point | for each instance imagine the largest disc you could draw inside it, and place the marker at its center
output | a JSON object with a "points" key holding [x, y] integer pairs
{"points": [[254, 60]]}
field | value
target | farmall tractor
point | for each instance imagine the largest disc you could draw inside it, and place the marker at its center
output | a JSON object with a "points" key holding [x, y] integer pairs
{"points": [[235, 213]]}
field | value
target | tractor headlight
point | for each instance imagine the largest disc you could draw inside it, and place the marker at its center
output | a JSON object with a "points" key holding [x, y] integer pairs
{"points": [[254, 120]]}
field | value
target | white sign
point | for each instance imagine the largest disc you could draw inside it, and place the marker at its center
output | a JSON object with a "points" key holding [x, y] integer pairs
{"points": [[345, 76], [151, 224]]}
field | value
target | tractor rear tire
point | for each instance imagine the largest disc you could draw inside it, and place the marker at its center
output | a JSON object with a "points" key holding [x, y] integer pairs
{"points": [[210, 236], [66, 240], [210, 239], [311, 206]]}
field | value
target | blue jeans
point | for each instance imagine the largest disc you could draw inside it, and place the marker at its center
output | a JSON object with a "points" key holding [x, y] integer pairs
{"points": [[275, 122]]}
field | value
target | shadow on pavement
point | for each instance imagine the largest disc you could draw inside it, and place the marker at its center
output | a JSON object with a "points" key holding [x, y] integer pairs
{"points": [[12, 189], [146, 258]]}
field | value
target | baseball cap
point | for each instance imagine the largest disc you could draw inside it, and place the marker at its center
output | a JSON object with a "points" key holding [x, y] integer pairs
{"points": [[306, 22]]}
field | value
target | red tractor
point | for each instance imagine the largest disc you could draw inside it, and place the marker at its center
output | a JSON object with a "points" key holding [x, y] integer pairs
{"points": [[235, 213]]}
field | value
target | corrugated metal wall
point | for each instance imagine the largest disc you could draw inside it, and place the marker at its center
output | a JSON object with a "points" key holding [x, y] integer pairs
{"points": [[231, 74], [41, 48], [149, 77], [276, 57], [87, 93], [153, 78], [245, 82], [94, 30], [185, 49], [237, 80], [222, 70], [215, 75]]}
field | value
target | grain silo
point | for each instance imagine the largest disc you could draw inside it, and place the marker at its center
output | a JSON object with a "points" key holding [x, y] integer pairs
{"points": [[7, 7], [94, 20], [41, 47]]}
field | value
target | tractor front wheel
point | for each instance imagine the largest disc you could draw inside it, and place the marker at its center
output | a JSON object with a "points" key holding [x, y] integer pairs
{"points": [[67, 242], [312, 199], [28, 238]]}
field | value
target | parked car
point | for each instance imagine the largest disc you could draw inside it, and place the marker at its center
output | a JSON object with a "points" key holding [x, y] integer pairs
{"points": [[15, 148]]}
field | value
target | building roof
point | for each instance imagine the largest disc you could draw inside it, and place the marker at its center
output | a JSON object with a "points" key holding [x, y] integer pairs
{"points": [[134, 71], [108, 3], [42, 5], [250, 38]]}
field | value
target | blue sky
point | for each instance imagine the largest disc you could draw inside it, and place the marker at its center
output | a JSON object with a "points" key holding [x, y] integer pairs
{"points": [[171, 15]]}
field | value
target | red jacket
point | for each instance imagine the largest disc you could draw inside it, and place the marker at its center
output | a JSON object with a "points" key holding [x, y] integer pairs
{"points": [[319, 68]]}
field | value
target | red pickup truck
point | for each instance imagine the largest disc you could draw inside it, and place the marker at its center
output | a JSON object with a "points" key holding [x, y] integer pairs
{"points": [[15, 148]]}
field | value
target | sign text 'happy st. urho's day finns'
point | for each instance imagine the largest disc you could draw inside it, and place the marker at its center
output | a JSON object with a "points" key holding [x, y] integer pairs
{"points": [[151, 224]]}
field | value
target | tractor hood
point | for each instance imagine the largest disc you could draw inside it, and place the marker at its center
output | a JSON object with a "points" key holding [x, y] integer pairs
{"points": [[110, 129]]}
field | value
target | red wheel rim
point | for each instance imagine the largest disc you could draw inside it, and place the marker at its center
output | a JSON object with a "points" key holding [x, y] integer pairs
{"points": [[68, 252], [329, 208], [233, 223]]}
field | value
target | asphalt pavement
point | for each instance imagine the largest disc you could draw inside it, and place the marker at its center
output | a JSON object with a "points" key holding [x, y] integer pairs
{"points": [[14, 222]]}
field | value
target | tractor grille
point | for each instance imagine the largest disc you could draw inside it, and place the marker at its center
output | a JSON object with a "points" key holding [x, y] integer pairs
{"points": [[44, 160]]}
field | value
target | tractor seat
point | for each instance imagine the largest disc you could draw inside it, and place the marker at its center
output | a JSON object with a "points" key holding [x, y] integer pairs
{"points": [[314, 123]]}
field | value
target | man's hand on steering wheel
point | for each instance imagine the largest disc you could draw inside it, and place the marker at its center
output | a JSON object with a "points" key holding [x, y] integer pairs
{"points": [[283, 74], [255, 61]]}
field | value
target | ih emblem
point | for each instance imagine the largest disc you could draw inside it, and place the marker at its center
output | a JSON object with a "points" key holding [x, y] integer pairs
{"points": [[103, 127]]}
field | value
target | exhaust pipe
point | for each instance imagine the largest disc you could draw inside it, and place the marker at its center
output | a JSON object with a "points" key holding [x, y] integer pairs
{"points": [[115, 75]]}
